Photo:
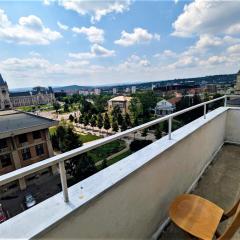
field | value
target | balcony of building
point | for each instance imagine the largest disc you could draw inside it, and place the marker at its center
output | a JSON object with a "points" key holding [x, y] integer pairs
{"points": [[131, 198]]}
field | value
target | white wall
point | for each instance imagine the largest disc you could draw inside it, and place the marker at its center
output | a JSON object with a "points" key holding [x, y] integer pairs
{"points": [[233, 125], [138, 204]]}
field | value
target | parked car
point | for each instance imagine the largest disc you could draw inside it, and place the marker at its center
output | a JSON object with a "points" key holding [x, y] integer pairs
{"points": [[30, 201], [2, 214]]}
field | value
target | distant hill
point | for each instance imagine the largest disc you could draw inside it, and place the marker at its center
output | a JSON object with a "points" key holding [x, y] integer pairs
{"points": [[214, 79]]}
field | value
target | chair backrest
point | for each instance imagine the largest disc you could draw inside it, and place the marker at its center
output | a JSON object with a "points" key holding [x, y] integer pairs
{"points": [[233, 227]]}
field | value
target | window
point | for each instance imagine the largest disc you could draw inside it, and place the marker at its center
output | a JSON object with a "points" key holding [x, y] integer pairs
{"points": [[26, 154], [39, 149], [3, 143], [36, 135], [5, 160], [22, 138]]}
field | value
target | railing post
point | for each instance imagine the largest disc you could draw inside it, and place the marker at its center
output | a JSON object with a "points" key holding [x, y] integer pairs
{"points": [[170, 128], [63, 180], [205, 110], [225, 101]]}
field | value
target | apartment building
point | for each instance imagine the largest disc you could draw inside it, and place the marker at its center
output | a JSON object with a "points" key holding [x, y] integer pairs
{"points": [[24, 140]]}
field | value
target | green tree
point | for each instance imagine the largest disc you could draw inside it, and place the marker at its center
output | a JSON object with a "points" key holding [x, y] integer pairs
{"points": [[128, 120], [115, 112], [115, 127], [93, 120], [124, 125], [135, 107], [144, 132], [119, 119], [81, 119], [135, 121], [106, 123], [100, 121], [66, 107], [81, 167], [86, 120], [148, 101], [70, 141], [55, 141], [71, 117], [158, 131], [56, 106]]}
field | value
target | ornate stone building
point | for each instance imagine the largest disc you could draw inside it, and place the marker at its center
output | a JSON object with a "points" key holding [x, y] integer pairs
{"points": [[237, 86], [5, 102], [37, 96]]}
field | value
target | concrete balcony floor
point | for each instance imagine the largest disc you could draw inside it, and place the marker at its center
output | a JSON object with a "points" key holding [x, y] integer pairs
{"points": [[219, 184]]}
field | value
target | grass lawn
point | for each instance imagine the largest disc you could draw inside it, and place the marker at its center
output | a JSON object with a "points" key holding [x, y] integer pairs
{"points": [[52, 130], [88, 138], [119, 157], [106, 150], [84, 138], [46, 107]]}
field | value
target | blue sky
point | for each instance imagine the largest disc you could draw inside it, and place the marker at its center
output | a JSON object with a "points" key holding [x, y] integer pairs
{"points": [[109, 42]]}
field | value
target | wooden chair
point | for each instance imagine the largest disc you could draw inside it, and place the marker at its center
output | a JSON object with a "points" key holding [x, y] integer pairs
{"points": [[200, 217]]}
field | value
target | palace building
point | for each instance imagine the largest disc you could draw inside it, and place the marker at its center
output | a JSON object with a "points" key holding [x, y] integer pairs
{"points": [[237, 86], [37, 96]]}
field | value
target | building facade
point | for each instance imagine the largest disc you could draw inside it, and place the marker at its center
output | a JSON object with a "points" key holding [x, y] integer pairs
{"points": [[5, 102], [164, 107], [37, 96], [237, 86], [122, 101], [24, 140]]}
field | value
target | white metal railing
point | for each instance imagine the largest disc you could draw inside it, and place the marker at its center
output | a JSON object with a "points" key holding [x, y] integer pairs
{"points": [[59, 159]]}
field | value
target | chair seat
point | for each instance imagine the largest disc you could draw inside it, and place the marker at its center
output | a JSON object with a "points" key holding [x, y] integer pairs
{"points": [[196, 215]]}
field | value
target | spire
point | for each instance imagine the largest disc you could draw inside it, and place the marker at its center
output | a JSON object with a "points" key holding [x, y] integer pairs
{"points": [[1, 80]]}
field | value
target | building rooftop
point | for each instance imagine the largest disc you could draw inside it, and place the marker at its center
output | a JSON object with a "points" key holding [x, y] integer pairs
{"points": [[121, 99], [14, 122]]}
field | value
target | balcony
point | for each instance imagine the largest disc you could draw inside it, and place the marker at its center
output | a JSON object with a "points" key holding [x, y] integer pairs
{"points": [[130, 199]]}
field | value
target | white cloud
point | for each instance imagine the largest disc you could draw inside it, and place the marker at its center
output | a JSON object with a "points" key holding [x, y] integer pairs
{"points": [[139, 35], [28, 30], [96, 9], [175, 1], [234, 29], [62, 26], [96, 51], [94, 35], [166, 53], [235, 49], [34, 54], [46, 2], [134, 63], [208, 17]]}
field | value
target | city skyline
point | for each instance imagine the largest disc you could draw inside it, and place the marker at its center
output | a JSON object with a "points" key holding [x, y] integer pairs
{"points": [[114, 42]]}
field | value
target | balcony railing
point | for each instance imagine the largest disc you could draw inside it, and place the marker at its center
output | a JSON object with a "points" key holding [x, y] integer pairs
{"points": [[60, 159]]}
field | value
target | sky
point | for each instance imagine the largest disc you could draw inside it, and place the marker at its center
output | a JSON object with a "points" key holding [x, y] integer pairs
{"points": [[65, 42]]}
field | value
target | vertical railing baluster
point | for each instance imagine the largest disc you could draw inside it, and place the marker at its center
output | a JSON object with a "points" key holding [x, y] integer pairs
{"points": [[170, 128], [63, 180], [205, 110], [225, 101]]}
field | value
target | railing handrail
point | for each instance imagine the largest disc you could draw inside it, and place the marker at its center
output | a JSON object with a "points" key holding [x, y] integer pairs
{"points": [[59, 159]]}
